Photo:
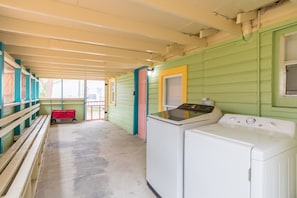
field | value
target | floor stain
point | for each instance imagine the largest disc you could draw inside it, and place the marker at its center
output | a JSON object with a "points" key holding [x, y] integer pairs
{"points": [[93, 160]]}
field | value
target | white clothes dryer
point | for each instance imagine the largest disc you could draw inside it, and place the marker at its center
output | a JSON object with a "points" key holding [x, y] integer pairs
{"points": [[241, 157]]}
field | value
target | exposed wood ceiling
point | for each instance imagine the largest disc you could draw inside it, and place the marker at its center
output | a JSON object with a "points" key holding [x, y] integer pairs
{"points": [[100, 39]]}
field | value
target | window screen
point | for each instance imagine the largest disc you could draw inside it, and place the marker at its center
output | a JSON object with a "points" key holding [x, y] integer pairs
{"points": [[8, 79], [291, 79], [290, 64], [73, 89], [173, 91], [23, 86]]}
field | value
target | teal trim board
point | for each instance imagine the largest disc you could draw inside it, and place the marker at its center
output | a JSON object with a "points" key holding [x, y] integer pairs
{"points": [[33, 94], [136, 98], [28, 85], [28, 96], [37, 94], [1, 145], [17, 93], [135, 109]]}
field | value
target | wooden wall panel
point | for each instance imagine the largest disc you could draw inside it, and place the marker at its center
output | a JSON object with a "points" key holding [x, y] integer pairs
{"points": [[122, 112], [237, 75]]}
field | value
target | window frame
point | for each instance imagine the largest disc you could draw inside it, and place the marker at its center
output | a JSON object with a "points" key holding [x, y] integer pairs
{"points": [[279, 96], [181, 70], [166, 106]]}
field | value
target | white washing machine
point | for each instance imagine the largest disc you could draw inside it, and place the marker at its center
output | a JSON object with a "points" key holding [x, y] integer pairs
{"points": [[241, 157], [165, 145]]}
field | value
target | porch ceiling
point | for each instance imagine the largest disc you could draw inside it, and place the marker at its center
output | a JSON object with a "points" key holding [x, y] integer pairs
{"points": [[100, 39]]}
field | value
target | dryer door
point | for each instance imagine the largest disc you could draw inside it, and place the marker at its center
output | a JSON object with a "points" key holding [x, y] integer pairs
{"points": [[216, 166]]}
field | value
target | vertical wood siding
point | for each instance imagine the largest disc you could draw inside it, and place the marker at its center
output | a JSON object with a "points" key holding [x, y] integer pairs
{"points": [[46, 106]]}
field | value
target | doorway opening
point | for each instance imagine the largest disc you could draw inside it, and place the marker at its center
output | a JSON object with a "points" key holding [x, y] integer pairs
{"points": [[95, 100]]}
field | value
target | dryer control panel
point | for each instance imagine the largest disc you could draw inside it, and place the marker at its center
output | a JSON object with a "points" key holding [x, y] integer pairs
{"points": [[269, 124]]}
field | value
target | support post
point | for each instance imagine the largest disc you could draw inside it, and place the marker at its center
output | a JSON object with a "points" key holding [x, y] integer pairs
{"points": [[33, 94], [17, 93], [28, 96]]}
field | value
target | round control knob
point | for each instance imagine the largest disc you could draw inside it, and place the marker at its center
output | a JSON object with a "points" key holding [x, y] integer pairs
{"points": [[232, 118], [271, 124], [250, 121]]}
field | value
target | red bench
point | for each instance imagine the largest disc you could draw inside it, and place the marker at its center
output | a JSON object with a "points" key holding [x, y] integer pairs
{"points": [[63, 114]]}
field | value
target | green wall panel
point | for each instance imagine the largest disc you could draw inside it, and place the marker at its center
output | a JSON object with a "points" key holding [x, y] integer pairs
{"points": [[121, 113], [237, 75], [46, 107], [268, 88]]}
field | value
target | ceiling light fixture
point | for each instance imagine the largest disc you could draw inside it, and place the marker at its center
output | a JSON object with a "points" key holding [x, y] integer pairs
{"points": [[150, 71]]}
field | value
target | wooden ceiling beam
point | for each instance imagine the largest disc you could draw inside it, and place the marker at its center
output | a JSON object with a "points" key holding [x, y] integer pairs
{"points": [[76, 14], [79, 49], [196, 13], [12, 25], [21, 52]]}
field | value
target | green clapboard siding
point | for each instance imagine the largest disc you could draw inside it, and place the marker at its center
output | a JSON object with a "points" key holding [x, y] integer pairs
{"points": [[121, 113], [268, 67], [237, 75], [225, 73], [46, 106]]}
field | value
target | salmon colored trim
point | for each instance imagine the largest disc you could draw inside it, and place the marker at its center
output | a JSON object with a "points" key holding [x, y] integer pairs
{"points": [[182, 70]]}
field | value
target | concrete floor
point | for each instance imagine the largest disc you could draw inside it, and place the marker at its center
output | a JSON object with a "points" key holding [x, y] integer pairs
{"points": [[90, 160]]}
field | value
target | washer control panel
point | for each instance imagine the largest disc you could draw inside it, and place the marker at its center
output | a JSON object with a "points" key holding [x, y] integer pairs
{"points": [[269, 124]]}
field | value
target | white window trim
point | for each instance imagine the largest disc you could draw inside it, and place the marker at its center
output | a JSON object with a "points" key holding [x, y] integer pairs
{"points": [[165, 106], [284, 63]]}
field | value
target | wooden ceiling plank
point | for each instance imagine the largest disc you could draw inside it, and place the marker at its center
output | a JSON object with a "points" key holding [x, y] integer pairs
{"points": [[195, 13], [62, 11], [64, 33], [75, 47], [73, 67], [17, 52]]}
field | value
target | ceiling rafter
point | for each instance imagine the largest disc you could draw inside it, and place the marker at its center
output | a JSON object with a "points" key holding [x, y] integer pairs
{"points": [[81, 15], [52, 55], [76, 75], [91, 39], [196, 13], [50, 67], [79, 49], [63, 33]]}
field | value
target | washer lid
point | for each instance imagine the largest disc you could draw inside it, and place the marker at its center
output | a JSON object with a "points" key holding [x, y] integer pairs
{"points": [[265, 144], [189, 113], [184, 111]]}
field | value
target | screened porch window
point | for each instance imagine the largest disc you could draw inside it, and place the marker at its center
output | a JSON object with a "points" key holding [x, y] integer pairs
{"points": [[8, 79], [23, 87]]}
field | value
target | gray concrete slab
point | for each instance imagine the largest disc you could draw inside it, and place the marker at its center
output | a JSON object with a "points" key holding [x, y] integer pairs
{"points": [[90, 160]]}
